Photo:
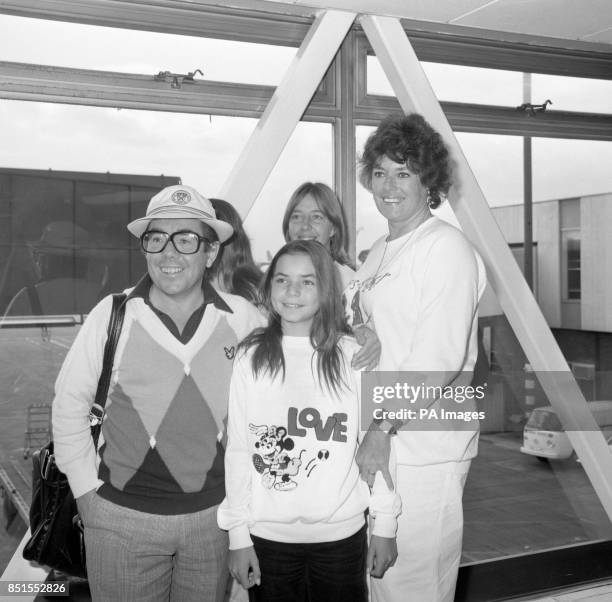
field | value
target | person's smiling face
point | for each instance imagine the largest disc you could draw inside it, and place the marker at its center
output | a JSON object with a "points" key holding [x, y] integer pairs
{"points": [[175, 274], [399, 195], [309, 222], [294, 293]]}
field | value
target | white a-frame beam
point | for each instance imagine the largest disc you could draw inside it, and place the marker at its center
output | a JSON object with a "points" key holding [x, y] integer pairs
{"points": [[285, 108], [414, 94]]}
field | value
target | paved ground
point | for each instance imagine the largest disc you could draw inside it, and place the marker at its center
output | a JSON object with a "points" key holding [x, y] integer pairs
{"points": [[515, 504]]}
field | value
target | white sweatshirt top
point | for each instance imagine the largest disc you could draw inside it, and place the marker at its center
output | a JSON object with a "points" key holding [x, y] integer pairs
{"points": [[290, 464], [420, 293]]}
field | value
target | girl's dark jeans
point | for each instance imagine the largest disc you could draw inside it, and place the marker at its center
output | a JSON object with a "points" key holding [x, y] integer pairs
{"points": [[333, 571]]}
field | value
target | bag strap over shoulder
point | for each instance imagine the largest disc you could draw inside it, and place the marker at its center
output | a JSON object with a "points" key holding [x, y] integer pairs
{"points": [[115, 324]]}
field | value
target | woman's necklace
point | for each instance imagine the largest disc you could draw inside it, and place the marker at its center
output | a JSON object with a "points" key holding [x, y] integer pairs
{"points": [[360, 314], [390, 260]]}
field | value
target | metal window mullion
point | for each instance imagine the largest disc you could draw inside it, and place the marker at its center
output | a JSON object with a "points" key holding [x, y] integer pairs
{"points": [[489, 119], [221, 22], [492, 50], [20, 81], [344, 138], [512, 56]]}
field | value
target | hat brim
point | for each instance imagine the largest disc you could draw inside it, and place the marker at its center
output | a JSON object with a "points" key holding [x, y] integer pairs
{"points": [[223, 229]]}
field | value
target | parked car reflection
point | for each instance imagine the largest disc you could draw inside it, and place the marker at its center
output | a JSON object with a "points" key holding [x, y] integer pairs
{"points": [[544, 437]]}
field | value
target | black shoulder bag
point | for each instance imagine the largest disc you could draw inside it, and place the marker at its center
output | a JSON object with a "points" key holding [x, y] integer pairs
{"points": [[57, 532]]}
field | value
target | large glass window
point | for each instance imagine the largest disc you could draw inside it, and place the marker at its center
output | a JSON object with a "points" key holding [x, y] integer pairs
{"points": [[85, 173], [497, 163], [64, 243], [457, 83], [572, 93], [570, 168], [199, 149], [306, 157], [131, 51]]}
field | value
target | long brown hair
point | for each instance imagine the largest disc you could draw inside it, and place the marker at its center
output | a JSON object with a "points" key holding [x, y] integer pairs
{"points": [[234, 267], [328, 326]]}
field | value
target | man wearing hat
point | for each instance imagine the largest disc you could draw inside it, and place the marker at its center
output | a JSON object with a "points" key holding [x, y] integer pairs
{"points": [[61, 259], [148, 501]]}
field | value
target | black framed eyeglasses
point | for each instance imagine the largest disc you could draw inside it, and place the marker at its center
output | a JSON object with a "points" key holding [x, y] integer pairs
{"points": [[185, 242]]}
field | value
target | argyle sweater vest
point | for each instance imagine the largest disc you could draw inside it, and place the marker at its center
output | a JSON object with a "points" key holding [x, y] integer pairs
{"points": [[162, 450]]}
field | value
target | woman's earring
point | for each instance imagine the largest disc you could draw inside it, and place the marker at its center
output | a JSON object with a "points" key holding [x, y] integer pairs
{"points": [[430, 202]]}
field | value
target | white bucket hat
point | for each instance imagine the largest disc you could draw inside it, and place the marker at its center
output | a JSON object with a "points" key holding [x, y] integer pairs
{"points": [[181, 202]]}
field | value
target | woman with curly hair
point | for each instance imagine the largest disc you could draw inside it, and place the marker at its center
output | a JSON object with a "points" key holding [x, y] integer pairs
{"points": [[419, 288]]}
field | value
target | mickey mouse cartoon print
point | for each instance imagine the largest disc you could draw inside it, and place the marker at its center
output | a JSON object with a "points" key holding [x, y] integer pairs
{"points": [[271, 459]]}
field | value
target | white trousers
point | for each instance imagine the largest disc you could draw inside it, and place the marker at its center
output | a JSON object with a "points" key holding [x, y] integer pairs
{"points": [[429, 535]]}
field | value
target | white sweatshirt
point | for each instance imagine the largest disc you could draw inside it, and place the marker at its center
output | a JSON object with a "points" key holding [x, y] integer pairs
{"points": [[290, 464], [420, 293]]}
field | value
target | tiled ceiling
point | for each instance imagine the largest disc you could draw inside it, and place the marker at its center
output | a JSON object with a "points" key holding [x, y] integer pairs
{"points": [[579, 20], [584, 20], [576, 20]]}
